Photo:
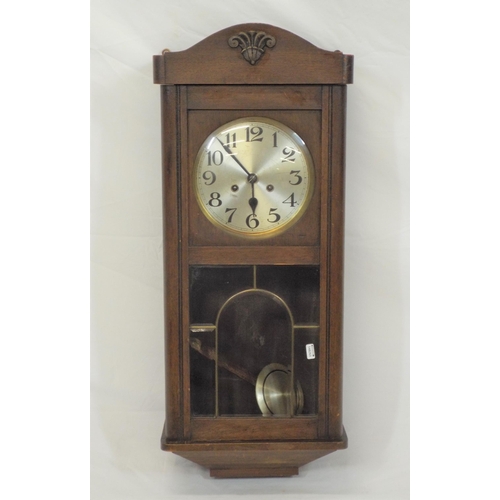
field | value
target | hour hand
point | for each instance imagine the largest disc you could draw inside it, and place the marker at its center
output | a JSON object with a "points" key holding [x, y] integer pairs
{"points": [[253, 204], [230, 153], [253, 201]]}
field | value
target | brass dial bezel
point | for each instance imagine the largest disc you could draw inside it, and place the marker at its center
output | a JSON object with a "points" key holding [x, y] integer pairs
{"points": [[301, 146]]}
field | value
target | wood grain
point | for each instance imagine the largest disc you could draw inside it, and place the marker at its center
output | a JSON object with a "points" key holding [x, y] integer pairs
{"points": [[239, 472], [247, 97], [171, 256], [253, 428], [288, 255], [336, 278], [257, 459], [292, 61]]}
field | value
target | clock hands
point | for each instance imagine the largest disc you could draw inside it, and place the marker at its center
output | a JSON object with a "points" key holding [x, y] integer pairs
{"points": [[253, 201], [252, 178], [230, 153]]}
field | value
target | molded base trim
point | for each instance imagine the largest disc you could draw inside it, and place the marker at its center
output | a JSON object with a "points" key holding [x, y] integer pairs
{"points": [[254, 459], [240, 472]]}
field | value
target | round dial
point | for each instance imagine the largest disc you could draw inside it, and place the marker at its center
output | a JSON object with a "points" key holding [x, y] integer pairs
{"points": [[253, 177]]}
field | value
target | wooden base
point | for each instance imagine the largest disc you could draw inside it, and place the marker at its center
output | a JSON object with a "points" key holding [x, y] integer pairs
{"points": [[240, 472], [254, 459]]}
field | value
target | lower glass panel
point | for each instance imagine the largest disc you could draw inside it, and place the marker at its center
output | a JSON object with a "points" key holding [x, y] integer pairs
{"points": [[202, 373], [250, 355], [306, 366]]}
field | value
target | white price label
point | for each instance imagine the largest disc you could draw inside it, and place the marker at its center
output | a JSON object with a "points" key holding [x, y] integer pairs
{"points": [[310, 351]]}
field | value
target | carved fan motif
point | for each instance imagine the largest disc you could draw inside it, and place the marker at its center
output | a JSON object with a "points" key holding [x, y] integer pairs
{"points": [[253, 44]]}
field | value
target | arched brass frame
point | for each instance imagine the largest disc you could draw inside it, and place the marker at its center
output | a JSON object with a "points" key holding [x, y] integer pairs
{"points": [[251, 291]]}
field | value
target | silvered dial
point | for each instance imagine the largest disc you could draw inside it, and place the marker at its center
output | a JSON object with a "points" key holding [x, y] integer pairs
{"points": [[253, 177]]}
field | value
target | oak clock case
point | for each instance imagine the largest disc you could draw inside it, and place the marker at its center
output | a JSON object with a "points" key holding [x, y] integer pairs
{"points": [[253, 121]]}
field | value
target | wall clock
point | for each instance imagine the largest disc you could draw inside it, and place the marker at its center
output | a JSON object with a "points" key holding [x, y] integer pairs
{"points": [[253, 138]]}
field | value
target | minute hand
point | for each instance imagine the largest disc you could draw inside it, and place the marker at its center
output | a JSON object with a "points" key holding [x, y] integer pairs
{"points": [[230, 153]]}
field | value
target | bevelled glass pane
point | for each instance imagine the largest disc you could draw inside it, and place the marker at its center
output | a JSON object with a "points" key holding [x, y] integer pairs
{"points": [[306, 366], [297, 285], [211, 286], [202, 373]]}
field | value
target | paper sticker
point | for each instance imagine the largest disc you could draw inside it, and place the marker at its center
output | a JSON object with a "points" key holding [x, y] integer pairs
{"points": [[310, 351]]}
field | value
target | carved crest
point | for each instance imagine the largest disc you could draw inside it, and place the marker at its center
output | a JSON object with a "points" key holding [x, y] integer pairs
{"points": [[253, 44]]}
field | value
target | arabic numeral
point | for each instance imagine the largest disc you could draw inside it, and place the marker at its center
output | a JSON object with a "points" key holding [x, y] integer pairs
{"points": [[276, 217], [216, 157], [215, 200], [252, 221], [210, 177], [297, 176], [291, 200], [288, 152], [232, 210], [254, 134], [231, 138]]}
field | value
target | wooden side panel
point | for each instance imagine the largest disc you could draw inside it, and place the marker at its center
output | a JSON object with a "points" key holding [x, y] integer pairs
{"points": [[174, 138], [336, 284], [325, 262], [183, 264], [171, 256]]}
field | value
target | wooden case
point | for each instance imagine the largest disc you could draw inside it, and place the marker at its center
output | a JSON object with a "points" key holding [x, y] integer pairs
{"points": [[202, 88]]}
